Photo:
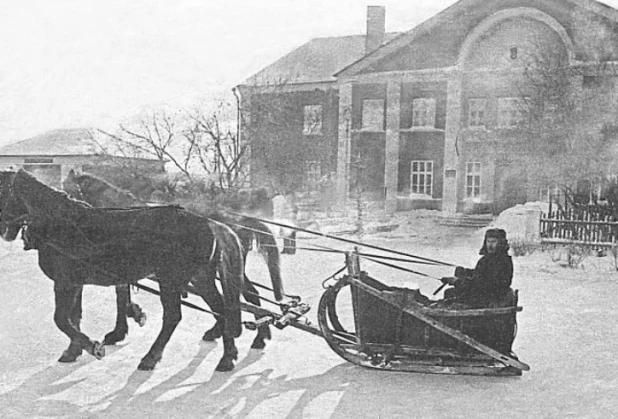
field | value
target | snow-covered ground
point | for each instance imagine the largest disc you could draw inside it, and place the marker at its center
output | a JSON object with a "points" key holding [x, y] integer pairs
{"points": [[567, 334]]}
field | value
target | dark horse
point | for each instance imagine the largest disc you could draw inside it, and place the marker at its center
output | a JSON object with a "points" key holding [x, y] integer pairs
{"points": [[100, 196], [78, 245], [100, 193]]}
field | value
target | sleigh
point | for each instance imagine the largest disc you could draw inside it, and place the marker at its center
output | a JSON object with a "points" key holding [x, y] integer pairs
{"points": [[394, 330]]}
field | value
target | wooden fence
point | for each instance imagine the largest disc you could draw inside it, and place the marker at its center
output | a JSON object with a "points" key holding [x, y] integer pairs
{"points": [[579, 227]]}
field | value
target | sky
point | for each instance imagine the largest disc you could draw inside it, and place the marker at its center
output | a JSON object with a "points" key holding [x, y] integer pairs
{"points": [[86, 63]]}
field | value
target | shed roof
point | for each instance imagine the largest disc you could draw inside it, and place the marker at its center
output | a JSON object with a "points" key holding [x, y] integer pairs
{"points": [[61, 142]]}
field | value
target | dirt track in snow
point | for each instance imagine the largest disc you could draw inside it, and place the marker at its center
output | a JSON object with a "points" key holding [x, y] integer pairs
{"points": [[567, 334]]}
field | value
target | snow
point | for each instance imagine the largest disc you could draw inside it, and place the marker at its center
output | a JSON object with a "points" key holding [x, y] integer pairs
{"points": [[567, 334], [521, 221]]}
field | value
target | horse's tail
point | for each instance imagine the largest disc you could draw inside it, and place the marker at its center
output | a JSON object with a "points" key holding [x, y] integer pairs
{"points": [[267, 246], [231, 270]]}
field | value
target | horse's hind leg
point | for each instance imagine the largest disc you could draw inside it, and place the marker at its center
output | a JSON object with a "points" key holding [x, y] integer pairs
{"points": [[170, 299], [134, 311], [205, 285], [251, 295], [66, 316], [124, 309]]}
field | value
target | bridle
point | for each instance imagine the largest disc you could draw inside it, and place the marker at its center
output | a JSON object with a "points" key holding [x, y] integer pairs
{"points": [[19, 220]]}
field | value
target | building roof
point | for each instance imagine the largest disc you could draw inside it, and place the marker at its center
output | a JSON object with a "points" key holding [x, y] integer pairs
{"points": [[314, 62], [325, 59], [61, 142], [459, 19]]}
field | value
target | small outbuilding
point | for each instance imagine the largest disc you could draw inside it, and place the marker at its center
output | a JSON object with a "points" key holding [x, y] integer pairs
{"points": [[50, 156]]}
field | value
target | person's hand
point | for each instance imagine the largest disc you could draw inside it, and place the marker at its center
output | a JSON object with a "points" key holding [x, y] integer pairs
{"points": [[450, 280]]}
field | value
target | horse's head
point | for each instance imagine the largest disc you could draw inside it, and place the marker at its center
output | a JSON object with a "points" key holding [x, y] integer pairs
{"points": [[13, 212]]}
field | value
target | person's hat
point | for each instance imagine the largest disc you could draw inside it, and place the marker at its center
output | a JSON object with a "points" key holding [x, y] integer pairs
{"points": [[495, 233]]}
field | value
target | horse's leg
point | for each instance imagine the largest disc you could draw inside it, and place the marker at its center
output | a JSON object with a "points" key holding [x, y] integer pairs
{"points": [[209, 292], [74, 350], [205, 285], [230, 354], [170, 300], [68, 308], [122, 328], [134, 311], [251, 295]]}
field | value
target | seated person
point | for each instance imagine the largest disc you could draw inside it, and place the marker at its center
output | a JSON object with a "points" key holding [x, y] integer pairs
{"points": [[489, 284]]}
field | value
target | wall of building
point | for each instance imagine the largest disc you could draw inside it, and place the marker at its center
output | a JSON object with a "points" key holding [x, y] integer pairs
{"points": [[425, 144], [479, 49], [277, 121]]}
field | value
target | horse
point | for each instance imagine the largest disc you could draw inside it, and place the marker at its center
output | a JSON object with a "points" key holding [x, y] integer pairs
{"points": [[78, 244], [100, 196], [100, 193]]}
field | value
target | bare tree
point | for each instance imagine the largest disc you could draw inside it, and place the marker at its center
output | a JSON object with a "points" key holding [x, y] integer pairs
{"points": [[212, 140], [156, 134]]}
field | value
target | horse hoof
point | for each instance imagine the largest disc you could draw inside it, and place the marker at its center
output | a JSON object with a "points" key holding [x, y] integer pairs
{"points": [[226, 364], [211, 335], [98, 350], [136, 313], [113, 338], [147, 364], [142, 319], [258, 344], [68, 356]]}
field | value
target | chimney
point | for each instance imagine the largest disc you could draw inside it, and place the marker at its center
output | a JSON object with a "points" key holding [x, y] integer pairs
{"points": [[375, 27]]}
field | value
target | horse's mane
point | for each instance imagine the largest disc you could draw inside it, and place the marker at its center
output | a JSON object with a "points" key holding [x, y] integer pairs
{"points": [[102, 181], [52, 198]]}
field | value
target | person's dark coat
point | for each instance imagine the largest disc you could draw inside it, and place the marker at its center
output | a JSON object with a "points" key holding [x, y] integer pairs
{"points": [[489, 283]]}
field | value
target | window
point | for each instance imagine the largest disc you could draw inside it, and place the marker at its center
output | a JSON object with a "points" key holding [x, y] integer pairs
{"points": [[373, 115], [473, 180], [421, 177], [423, 112], [476, 112], [509, 112], [313, 172], [312, 124]]}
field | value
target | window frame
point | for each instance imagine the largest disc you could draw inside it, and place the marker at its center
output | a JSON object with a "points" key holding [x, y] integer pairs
{"points": [[379, 126], [471, 176], [317, 129], [426, 105], [313, 172], [427, 186], [479, 122]]}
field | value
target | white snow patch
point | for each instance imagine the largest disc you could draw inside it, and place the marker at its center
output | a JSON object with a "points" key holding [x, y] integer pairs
{"points": [[521, 222]]}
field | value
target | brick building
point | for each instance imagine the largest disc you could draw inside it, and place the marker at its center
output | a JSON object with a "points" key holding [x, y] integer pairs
{"points": [[429, 115]]}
